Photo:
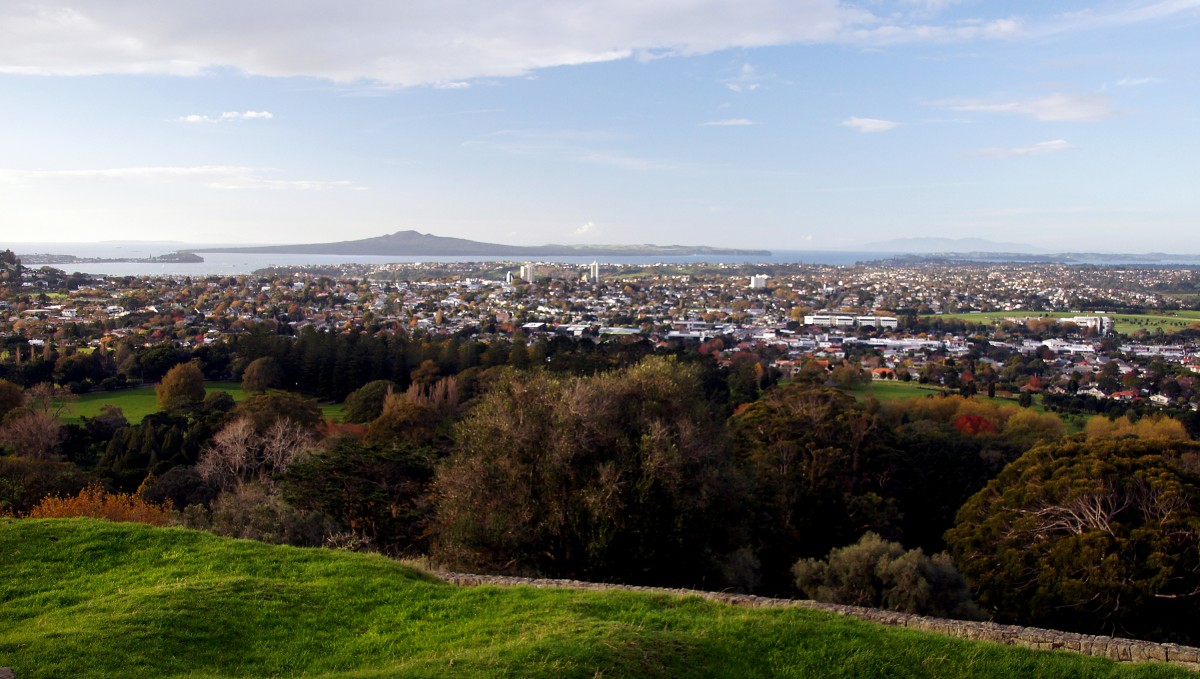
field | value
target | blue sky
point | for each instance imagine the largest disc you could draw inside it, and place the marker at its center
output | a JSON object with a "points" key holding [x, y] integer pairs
{"points": [[781, 124]]}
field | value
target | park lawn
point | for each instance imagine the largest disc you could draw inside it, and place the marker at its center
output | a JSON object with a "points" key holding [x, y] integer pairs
{"points": [[896, 390], [139, 402], [1123, 324], [89, 598]]}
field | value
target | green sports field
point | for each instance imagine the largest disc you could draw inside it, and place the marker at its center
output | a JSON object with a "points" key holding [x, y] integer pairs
{"points": [[139, 402], [1123, 323]]}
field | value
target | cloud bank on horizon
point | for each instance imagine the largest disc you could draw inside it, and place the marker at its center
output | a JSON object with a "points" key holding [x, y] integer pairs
{"points": [[727, 122]]}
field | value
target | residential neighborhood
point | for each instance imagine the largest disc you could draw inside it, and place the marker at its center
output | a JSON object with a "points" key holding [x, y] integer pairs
{"points": [[1016, 327]]}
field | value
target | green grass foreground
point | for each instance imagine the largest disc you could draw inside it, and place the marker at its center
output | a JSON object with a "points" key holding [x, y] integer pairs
{"points": [[85, 597]]}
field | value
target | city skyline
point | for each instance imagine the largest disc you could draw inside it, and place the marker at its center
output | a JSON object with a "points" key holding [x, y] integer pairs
{"points": [[781, 125]]}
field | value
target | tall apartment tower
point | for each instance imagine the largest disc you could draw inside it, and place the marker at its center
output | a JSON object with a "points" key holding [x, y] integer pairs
{"points": [[528, 271], [594, 273]]}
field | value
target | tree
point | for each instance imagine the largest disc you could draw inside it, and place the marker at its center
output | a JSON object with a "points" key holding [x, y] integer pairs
{"points": [[366, 403], [262, 374], [381, 494], [239, 452], [614, 476], [32, 433], [11, 397], [263, 410], [819, 460], [878, 573], [1099, 536], [183, 385]]}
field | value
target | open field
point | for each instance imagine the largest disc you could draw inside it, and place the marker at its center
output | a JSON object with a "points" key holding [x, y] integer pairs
{"points": [[139, 402], [1123, 323], [92, 598]]}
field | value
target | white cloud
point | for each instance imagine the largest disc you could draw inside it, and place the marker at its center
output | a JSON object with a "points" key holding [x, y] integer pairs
{"points": [[583, 229], [446, 43], [416, 42], [867, 125], [1057, 107], [1037, 149], [730, 122], [228, 116], [212, 176]]}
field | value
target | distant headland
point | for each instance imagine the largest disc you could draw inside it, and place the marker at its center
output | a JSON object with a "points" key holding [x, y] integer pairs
{"points": [[410, 243]]}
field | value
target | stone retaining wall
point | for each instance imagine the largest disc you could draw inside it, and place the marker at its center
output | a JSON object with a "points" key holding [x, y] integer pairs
{"points": [[1113, 648]]}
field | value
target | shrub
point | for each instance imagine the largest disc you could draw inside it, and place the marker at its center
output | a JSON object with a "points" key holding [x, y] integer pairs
{"points": [[255, 512], [25, 481], [877, 573], [97, 503]]}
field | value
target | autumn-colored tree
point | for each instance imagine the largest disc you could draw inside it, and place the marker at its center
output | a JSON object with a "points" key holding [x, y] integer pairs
{"points": [[262, 374], [1157, 426], [183, 385]]}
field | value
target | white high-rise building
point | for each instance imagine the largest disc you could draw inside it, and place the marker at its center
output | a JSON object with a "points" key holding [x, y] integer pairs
{"points": [[528, 271], [758, 282], [594, 273]]}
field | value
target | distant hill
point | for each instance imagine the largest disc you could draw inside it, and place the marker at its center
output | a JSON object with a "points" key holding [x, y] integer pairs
{"points": [[948, 245], [410, 243]]}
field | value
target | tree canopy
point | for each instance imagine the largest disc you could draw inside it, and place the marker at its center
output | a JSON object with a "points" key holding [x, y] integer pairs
{"points": [[614, 475], [1101, 536], [182, 385]]}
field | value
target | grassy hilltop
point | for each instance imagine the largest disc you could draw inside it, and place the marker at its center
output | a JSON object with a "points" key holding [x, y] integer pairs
{"points": [[92, 598]]}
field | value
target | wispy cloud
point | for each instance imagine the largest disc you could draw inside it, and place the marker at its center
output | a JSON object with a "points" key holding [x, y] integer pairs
{"points": [[1137, 82], [895, 33], [227, 117], [212, 176], [595, 147], [1037, 149], [747, 79], [584, 229], [1057, 107], [868, 125], [729, 122]]}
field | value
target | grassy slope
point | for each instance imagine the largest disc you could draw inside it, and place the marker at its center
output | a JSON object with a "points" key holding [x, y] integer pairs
{"points": [[139, 402], [91, 598]]}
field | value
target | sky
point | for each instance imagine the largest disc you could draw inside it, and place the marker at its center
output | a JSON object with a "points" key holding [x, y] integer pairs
{"points": [[778, 124]]}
